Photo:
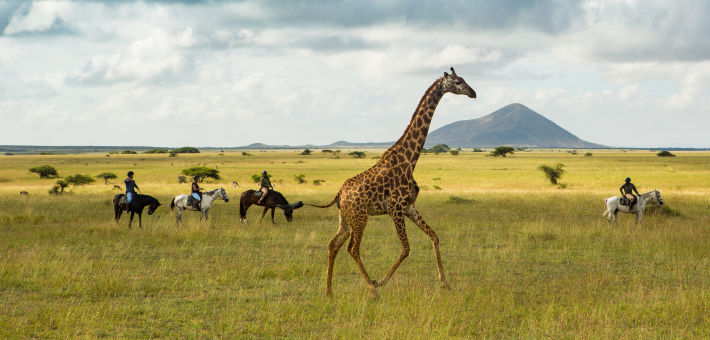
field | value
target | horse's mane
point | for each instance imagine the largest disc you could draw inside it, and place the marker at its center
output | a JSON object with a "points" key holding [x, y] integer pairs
{"points": [[212, 191], [647, 194]]}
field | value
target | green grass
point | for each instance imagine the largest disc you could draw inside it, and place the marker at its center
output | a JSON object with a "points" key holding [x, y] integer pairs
{"points": [[524, 259]]}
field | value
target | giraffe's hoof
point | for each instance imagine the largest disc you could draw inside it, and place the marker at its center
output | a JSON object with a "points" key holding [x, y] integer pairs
{"points": [[446, 286], [374, 282]]}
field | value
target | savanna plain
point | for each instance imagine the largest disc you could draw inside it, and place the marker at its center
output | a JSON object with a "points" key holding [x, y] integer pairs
{"points": [[525, 259]]}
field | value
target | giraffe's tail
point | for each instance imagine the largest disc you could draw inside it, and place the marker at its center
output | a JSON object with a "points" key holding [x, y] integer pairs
{"points": [[335, 200]]}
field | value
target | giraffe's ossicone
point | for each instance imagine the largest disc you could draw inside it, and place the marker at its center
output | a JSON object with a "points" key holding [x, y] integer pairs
{"points": [[389, 187]]}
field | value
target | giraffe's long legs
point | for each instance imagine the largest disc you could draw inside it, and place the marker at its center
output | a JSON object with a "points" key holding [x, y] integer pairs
{"points": [[340, 237], [413, 215], [354, 249], [398, 218]]}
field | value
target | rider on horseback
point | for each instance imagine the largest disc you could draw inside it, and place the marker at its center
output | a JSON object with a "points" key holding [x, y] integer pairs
{"points": [[196, 192], [265, 185], [627, 191], [131, 187]]}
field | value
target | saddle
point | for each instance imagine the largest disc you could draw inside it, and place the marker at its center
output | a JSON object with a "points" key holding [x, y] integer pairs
{"points": [[191, 200], [625, 201], [123, 201], [258, 193]]}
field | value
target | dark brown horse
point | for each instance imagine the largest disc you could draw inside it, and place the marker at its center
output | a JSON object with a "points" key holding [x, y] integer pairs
{"points": [[273, 200], [136, 206]]}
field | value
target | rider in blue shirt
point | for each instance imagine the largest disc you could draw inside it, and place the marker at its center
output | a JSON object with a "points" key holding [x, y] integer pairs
{"points": [[196, 192], [131, 187]]}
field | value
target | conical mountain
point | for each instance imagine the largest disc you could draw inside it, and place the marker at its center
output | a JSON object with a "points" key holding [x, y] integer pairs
{"points": [[514, 125]]}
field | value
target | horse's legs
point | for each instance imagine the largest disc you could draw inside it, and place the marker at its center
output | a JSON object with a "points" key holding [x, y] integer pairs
{"points": [[264, 213], [412, 213], [140, 222], [272, 215], [246, 208], [131, 220], [333, 246], [639, 217], [178, 216], [207, 214], [616, 218]]}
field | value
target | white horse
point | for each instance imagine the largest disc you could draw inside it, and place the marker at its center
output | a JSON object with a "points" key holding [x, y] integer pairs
{"points": [[613, 206], [208, 197]]}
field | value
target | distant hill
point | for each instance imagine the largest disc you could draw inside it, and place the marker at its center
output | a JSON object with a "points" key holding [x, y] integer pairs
{"points": [[514, 125]]}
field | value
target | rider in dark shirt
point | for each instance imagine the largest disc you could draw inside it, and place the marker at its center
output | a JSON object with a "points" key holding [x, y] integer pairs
{"points": [[196, 192], [131, 187], [627, 191]]}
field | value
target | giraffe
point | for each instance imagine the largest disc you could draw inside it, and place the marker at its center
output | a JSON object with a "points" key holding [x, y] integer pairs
{"points": [[389, 188]]}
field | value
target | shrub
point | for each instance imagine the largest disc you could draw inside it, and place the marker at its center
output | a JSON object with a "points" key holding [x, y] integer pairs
{"points": [[588, 154], [454, 152], [246, 154], [376, 157], [182, 179], [128, 152], [300, 178], [665, 154], [186, 149], [477, 150], [357, 154], [436, 187], [45, 171], [459, 200], [106, 176], [113, 153], [9, 154], [156, 150], [203, 172], [327, 151], [502, 151], [173, 154], [306, 152], [553, 173], [79, 180], [318, 181], [440, 148]]}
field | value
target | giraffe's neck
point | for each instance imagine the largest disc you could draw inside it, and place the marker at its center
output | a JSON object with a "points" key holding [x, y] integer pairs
{"points": [[411, 143]]}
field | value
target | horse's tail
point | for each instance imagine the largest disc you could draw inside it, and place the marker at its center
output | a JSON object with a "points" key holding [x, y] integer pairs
{"points": [[335, 199], [242, 209], [607, 208], [172, 205]]}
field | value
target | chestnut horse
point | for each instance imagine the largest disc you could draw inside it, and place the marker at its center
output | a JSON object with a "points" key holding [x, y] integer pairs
{"points": [[273, 200]]}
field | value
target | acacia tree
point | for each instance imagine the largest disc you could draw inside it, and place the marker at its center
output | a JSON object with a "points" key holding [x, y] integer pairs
{"points": [[79, 180], [59, 188], [357, 154], [502, 151], [106, 176], [440, 148], [203, 172], [45, 171], [553, 173]]}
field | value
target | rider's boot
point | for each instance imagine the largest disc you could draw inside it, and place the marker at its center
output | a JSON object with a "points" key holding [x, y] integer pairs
{"points": [[197, 206], [631, 206], [261, 200]]}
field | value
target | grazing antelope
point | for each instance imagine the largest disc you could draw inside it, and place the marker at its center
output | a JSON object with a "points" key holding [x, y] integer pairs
{"points": [[117, 187], [216, 167], [24, 193], [135, 164], [235, 184], [171, 164], [108, 155]]}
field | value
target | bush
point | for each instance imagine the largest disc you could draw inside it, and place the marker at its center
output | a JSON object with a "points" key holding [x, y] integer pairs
{"points": [[357, 154], [157, 150], [454, 152], [459, 200], [306, 152], [113, 153], [182, 179], [79, 180], [665, 154], [9, 154], [588, 154], [173, 154], [502, 151], [376, 157], [106, 176], [128, 152], [440, 148], [553, 173], [477, 150], [45, 171], [244, 153], [300, 178], [186, 149], [327, 151], [203, 172], [318, 181]]}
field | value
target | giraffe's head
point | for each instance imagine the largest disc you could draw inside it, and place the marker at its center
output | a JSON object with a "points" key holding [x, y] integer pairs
{"points": [[456, 85]]}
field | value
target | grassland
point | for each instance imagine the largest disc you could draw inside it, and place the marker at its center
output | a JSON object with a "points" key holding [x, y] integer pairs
{"points": [[525, 259]]}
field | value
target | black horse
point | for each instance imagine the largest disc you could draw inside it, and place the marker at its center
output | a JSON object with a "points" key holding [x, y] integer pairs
{"points": [[136, 206], [273, 200]]}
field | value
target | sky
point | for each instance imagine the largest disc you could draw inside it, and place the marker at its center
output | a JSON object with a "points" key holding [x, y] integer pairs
{"points": [[622, 73]]}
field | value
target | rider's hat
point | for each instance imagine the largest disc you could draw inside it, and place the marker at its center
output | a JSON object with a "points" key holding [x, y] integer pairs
{"points": [[628, 179], [263, 172], [130, 173], [196, 177]]}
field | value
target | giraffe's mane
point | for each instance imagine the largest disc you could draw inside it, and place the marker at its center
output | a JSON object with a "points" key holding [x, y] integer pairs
{"points": [[416, 110]]}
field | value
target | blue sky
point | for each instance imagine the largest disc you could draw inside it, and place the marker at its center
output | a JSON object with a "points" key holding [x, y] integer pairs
{"points": [[230, 73]]}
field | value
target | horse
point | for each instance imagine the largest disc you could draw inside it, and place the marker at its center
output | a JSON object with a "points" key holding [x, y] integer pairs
{"points": [[139, 202], [613, 206], [208, 197], [274, 199]]}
